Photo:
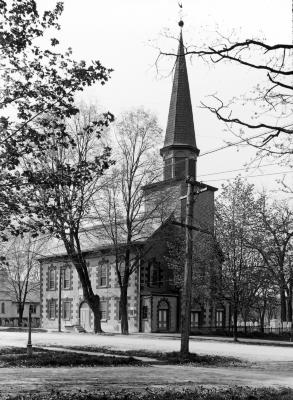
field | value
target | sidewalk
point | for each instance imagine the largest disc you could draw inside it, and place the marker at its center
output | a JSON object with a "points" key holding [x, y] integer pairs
{"points": [[225, 339], [94, 353]]}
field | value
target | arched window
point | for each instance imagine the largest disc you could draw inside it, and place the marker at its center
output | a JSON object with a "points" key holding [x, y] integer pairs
{"points": [[163, 315], [2, 308]]}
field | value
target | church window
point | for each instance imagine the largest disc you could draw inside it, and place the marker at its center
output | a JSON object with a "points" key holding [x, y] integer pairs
{"points": [[51, 279], [155, 273], [2, 308], [103, 275], [52, 309], [66, 310], [66, 277], [194, 319], [33, 308], [103, 309], [144, 312], [219, 318]]}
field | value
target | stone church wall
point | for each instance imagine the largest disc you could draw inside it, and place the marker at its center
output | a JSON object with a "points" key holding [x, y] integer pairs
{"points": [[109, 293]]}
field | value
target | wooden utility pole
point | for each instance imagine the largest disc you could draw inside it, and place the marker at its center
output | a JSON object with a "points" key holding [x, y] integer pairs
{"points": [[186, 292], [29, 348], [59, 299]]}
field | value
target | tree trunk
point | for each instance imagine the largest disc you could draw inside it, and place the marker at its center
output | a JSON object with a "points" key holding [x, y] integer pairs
{"points": [[123, 310], [289, 310], [90, 297], [235, 316], [283, 305], [94, 304], [290, 298], [20, 314]]}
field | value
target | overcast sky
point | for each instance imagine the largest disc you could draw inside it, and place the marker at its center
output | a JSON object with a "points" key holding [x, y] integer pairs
{"points": [[125, 35]]}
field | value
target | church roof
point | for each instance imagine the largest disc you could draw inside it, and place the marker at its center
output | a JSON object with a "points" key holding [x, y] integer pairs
{"points": [[180, 126], [97, 238]]}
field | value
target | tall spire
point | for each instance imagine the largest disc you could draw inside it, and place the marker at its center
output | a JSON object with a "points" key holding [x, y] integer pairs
{"points": [[180, 141]]}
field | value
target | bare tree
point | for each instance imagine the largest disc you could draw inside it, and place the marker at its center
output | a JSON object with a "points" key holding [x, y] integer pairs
{"points": [[22, 269], [267, 108], [273, 233], [236, 214], [125, 215], [64, 183]]}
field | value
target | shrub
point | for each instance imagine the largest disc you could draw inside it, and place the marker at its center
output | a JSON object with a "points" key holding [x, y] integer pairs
{"points": [[234, 393]]}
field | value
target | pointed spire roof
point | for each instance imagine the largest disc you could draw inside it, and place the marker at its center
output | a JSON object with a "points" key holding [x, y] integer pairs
{"points": [[180, 128]]}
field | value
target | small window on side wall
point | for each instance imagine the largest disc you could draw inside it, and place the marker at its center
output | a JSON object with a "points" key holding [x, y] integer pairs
{"points": [[2, 308], [33, 308], [66, 278], [103, 309], [51, 279], [103, 276], [66, 310], [52, 309], [194, 319], [144, 312], [219, 318]]}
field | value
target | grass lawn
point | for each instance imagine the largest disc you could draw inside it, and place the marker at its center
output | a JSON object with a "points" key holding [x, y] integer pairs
{"points": [[17, 357], [171, 357]]}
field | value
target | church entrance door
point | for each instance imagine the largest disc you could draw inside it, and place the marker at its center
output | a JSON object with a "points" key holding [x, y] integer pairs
{"points": [[85, 316], [163, 316]]}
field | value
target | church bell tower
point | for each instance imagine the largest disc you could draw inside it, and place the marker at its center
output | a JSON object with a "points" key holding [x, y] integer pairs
{"points": [[180, 143]]}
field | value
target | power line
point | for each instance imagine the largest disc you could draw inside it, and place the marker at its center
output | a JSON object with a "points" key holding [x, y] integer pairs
{"points": [[236, 170], [252, 176]]}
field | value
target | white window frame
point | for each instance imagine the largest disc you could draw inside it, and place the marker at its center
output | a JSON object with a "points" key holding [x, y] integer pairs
{"points": [[66, 303], [219, 321], [103, 275], [65, 278], [33, 308], [104, 312], [194, 322], [52, 303]]}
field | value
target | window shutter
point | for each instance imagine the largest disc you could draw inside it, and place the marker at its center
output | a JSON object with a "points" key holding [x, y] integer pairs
{"points": [[98, 274], [108, 274], [71, 278]]}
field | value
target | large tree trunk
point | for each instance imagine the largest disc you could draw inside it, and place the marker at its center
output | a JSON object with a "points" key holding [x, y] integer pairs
{"points": [[262, 317], [290, 297], [20, 314], [94, 303], [79, 262], [283, 305], [124, 290], [124, 310], [289, 310]]}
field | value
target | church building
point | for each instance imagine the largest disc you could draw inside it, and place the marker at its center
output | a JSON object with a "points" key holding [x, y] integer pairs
{"points": [[154, 297]]}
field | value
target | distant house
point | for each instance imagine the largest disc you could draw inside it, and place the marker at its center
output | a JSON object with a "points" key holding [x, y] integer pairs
{"points": [[154, 301], [9, 304]]}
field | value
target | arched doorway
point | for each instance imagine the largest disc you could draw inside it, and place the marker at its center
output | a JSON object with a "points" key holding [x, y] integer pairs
{"points": [[85, 315], [163, 315]]}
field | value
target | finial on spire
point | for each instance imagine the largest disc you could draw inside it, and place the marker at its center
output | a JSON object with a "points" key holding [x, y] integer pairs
{"points": [[180, 23]]}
